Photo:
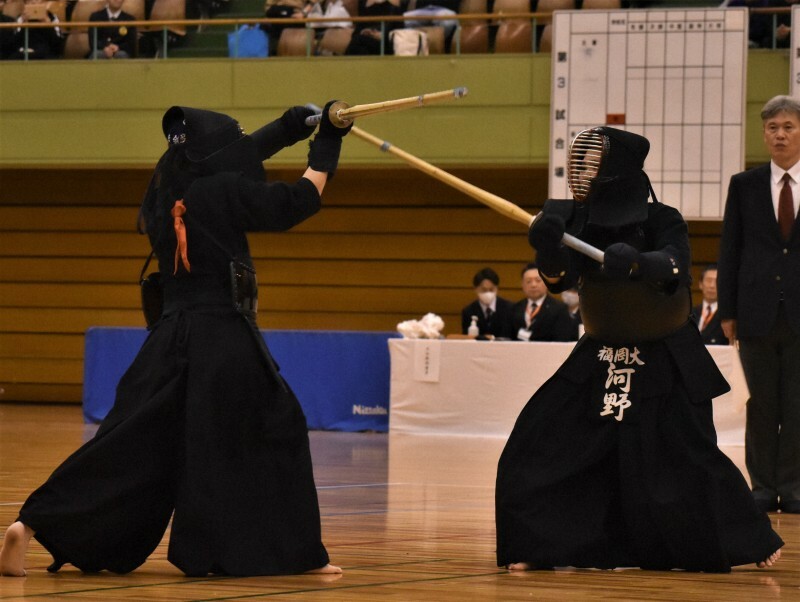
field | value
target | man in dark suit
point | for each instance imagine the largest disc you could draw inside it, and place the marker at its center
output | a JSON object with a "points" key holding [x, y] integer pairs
{"points": [[540, 317], [706, 315], [114, 41], [493, 312], [759, 303]]}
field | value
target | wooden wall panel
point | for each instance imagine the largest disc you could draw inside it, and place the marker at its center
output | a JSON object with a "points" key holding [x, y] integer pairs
{"points": [[389, 245]]}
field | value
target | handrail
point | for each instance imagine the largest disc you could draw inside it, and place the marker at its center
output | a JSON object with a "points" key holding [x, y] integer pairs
{"points": [[167, 25], [307, 20], [279, 21]]}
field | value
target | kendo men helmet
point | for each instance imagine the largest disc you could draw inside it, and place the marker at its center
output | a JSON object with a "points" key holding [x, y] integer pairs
{"points": [[605, 172], [214, 141]]}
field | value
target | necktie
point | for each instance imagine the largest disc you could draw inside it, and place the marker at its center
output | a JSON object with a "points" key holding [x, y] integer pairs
{"points": [[786, 208], [707, 315], [489, 313], [534, 309]]}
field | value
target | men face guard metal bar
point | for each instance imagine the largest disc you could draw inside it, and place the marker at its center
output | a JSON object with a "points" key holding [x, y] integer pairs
{"points": [[585, 158]]}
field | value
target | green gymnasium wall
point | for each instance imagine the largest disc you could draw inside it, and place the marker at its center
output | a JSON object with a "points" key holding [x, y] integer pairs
{"points": [[107, 113]]}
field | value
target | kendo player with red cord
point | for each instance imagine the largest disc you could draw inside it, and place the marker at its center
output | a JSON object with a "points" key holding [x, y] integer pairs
{"points": [[614, 462], [204, 430]]}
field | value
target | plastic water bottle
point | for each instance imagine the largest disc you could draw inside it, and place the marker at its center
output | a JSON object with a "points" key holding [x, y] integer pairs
{"points": [[473, 330]]}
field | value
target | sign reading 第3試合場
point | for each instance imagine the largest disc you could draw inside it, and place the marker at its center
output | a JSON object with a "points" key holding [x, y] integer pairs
{"points": [[674, 76]]}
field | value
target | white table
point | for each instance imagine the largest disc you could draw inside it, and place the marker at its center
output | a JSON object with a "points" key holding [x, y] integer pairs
{"points": [[466, 387]]}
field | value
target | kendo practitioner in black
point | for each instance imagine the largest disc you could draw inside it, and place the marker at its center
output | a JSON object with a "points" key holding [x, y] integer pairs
{"points": [[614, 462], [204, 429]]}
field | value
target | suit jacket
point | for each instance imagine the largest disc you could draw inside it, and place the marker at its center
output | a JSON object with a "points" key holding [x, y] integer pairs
{"points": [[119, 34], [712, 334], [552, 323], [6, 37], [756, 269], [43, 43], [498, 324]]}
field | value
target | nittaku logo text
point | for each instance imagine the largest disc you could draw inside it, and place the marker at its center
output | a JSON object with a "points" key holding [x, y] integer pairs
{"points": [[370, 411]]}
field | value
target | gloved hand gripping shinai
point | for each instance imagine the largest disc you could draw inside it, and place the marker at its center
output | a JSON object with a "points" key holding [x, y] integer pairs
{"points": [[545, 235], [624, 261], [323, 153]]}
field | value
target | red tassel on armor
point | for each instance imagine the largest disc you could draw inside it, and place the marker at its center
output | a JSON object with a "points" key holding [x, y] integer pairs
{"points": [[181, 251]]}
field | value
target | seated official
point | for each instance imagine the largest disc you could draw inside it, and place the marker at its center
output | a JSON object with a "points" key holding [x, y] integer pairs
{"points": [[493, 312], [705, 315], [540, 317], [113, 41], [367, 37]]}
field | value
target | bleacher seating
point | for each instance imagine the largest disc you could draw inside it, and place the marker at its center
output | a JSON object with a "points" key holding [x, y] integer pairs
{"points": [[169, 10], [76, 45], [435, 35], [546, 38], [601, 4], [499, 34], [58, 8], [514, 34], [334, 41], [295, 41], [13, 8], [474, 34]]}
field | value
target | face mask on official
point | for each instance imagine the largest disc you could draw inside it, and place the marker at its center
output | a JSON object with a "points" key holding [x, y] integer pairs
{"points": [[604, 172], [487, 297]]}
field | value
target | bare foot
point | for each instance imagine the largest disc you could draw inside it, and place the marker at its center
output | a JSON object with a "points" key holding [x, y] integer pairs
{"points": [[12, 554], [772, 559], [519, 566], [328, 569]]}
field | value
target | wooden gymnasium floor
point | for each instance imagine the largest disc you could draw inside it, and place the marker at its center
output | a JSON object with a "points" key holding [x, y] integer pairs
{"points": [[408, 518]]}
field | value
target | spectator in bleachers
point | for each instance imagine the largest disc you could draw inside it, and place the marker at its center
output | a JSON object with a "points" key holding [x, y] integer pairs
{"points": [[329, 9], [199, 9], [434, 8], [367, 36], [42, 42], [282, 9], [115, 41], [764, 28], [6, 35]]}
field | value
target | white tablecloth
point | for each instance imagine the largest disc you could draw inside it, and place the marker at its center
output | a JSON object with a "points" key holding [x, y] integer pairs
{"points": [[466, 387]]}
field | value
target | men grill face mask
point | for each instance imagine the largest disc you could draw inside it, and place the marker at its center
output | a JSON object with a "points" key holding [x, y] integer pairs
{"points": [[605, 173], [585, 157]]}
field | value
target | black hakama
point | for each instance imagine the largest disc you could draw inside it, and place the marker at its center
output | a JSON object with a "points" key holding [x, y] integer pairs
{"points": [[204, 430], [586, 480]]}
